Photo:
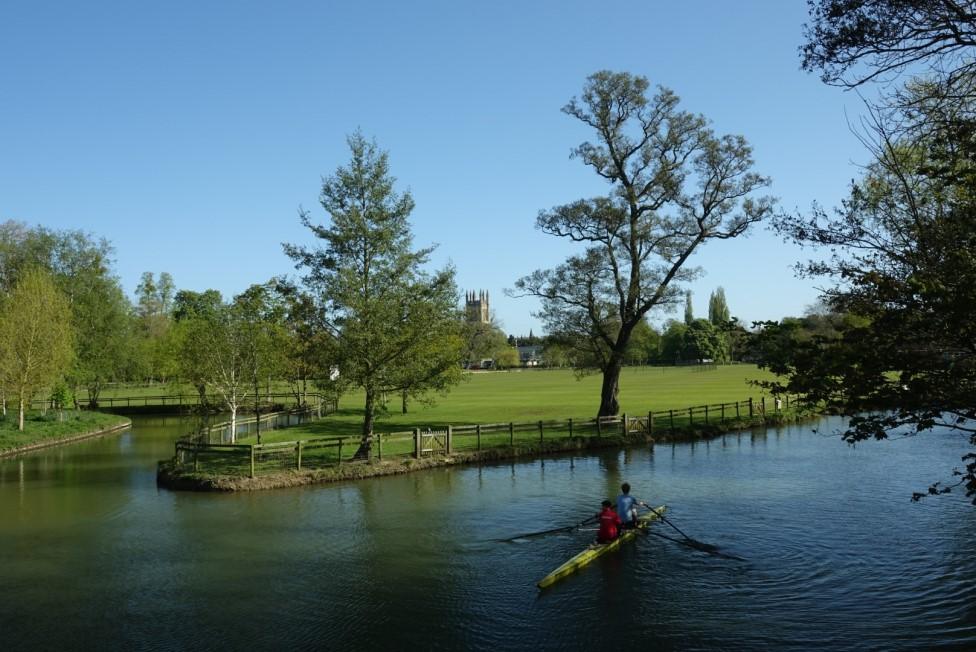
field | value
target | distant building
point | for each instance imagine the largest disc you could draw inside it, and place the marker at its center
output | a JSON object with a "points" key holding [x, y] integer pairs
{"points": [[530, 356], [476, 307]]}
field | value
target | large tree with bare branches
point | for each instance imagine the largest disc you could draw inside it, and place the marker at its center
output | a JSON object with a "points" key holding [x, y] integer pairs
{"points": [[673, 185]]}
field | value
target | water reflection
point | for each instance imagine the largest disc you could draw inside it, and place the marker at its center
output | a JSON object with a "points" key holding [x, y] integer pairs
{"points": [[838, 558]]}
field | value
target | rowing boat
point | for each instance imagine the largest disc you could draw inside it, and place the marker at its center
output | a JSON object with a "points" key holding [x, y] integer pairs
{"points": [[599, 549]]}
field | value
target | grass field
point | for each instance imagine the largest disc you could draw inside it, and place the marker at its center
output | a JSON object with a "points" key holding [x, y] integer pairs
{"points": [[40, 427], [533, 395]]}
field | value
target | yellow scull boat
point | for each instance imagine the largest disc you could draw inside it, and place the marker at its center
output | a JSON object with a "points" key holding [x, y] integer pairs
{"points": [[599, 549]]}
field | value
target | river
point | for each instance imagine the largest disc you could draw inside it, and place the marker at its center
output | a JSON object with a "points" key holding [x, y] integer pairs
{"points": [[94, 556]]}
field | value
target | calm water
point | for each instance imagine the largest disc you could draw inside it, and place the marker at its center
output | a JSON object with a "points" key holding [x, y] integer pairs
{"points": [[95, 556]]}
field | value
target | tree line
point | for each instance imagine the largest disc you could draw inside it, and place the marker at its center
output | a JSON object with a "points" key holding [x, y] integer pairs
{"points": [[67, 328]]}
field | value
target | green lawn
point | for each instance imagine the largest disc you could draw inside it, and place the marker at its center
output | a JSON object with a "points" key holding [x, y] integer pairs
{"points": [[533, 395], [39, 427]]}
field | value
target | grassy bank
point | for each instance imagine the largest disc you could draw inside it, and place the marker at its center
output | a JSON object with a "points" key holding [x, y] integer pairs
{"points": [[532, 395], [42, 429]]}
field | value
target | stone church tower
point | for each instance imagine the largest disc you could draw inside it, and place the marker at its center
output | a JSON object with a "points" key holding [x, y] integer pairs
{"points": [[476, 307]]}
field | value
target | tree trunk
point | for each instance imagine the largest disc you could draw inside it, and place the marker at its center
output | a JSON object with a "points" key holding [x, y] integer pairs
{"points": [[93, 391], [403, 402], [20, 415], [233, 422], [369, 417], [611, 387]]}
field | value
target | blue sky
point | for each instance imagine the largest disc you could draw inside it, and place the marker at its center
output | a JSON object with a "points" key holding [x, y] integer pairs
{"points": [[189, 133]]}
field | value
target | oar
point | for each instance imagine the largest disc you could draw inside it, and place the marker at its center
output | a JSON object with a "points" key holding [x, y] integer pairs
{"points": [[688, 541], [567, 528]]}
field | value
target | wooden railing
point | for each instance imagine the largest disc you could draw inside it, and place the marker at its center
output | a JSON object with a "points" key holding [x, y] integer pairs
{"points": [[229, 458]]}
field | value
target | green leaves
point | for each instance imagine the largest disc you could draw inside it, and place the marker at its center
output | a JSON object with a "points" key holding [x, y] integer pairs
{"points": [[396, 325], [36, 338]]}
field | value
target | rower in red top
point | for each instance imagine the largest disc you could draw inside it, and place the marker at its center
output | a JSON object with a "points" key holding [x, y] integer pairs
{"points": [[609, 523]]}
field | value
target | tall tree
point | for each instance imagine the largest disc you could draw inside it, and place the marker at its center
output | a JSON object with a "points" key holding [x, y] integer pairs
{"points": [[35, 337], [718, 309], [261, 316], [222, 350], [396, 326], [674, 185], [673, 341], [193, 313], [904, 274], [705, 343], [80, 267], [689, 310], [482, 340], [153, 308]]}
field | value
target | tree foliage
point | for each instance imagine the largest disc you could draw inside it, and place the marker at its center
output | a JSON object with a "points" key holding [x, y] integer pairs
{"points": [[718, 309], [904, 271], [217, 353], [395, 324], [36, 341], [852, 42], [80, 267], [673, 185]]}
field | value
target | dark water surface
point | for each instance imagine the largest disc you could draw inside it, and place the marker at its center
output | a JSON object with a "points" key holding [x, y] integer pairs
{"points": [[94, 556]]}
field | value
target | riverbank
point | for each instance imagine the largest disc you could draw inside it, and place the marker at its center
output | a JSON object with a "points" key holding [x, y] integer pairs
{"points": [[170, 476], [44, 431]]}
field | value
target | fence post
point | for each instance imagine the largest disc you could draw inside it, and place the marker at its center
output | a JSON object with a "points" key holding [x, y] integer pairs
{"points": [[341, 441], [450, 439], [691, 416], [722, 418], [737, 409], [252, 460], [416, 443], [570, 428], [379, 445], [624, 425], [650, 423], [477, 431], [671, 414], [511, 434], [540, 432], [298, 462], [599, 428], [787, 401], [750, 407], [706, 415], [763, 405]]}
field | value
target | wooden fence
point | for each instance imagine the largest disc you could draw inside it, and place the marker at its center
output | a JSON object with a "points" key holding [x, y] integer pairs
{"points": [[167, 400], [195, 451]]}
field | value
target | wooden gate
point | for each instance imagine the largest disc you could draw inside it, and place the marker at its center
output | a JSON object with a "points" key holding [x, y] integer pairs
{"points": [[433, 442], [637, 426]]}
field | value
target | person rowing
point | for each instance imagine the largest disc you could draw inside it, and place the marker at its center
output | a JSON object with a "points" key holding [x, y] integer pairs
{"points": [[609, 523], [627, 507]]}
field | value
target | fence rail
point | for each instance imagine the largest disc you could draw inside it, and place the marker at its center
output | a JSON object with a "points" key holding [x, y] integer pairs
{"points": [[209, 450], [170, 400]]}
